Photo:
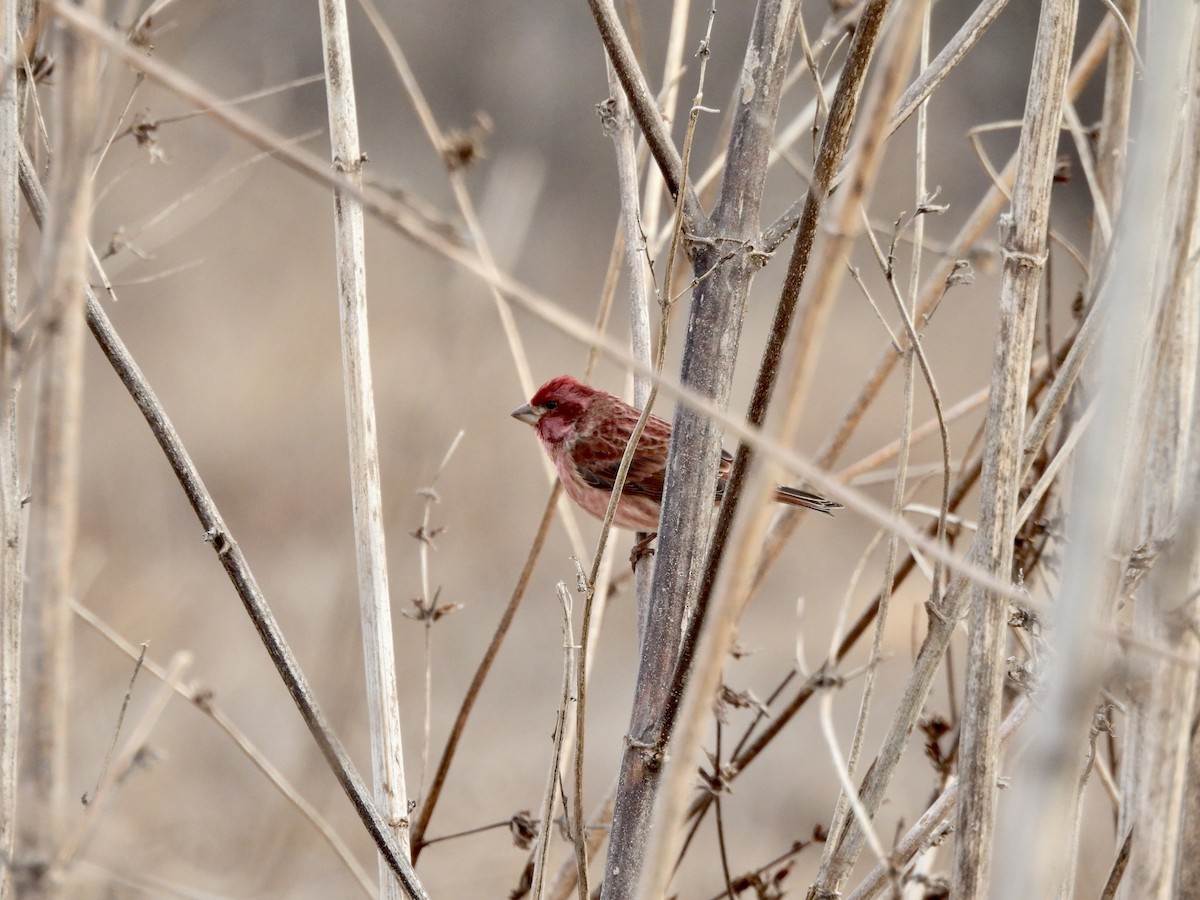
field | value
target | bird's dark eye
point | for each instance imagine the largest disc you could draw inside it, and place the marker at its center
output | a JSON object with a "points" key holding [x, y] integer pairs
{"points": [[550, 404]]}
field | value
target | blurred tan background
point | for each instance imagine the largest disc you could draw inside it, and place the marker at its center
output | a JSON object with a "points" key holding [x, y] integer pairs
{"points": [[242, 348]]}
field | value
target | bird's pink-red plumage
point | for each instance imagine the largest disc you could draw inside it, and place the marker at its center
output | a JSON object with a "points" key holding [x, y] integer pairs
{"points": [[585, 432]]}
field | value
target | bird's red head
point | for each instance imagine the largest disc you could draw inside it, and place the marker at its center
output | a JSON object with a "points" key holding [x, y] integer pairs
{"points": [[556, 407]]}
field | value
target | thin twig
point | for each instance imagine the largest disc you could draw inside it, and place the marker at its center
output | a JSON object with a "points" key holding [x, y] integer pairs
{"points": [[481, 672], [135, 745], [137, 667], [717, 788], [428, 609], [570, 659]]}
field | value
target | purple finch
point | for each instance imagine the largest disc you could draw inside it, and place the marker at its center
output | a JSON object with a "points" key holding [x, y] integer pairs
{"points": [[585, 432]]}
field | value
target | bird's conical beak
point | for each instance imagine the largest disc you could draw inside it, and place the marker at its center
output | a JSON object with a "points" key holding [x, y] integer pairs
{"points": [[527, 414]]}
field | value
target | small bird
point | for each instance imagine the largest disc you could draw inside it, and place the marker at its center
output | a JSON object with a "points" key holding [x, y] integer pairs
{"points": [[585, 432]]}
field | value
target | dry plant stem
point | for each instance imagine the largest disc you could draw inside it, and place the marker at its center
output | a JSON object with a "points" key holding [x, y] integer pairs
{"points": [[918, 351], [848, 803], [714, 327], [428, 607], [383, 700], [583, 666], [619, 124], [932, 75], [1114, 128], [597, 833], [99, 804], [466, 206], [597, 595], [1164, 696], [673, 67], [11, 577], [1111, 157], [560, 726], [138, 662], [876, 459], [202, 699], [1023, 249], [57, 327], [646, 112], [481, 672], [234, 562], [641, 288], [1165, 459]]}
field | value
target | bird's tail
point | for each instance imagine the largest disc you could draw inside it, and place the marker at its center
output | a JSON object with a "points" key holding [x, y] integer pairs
{"points": [[797, 497]]}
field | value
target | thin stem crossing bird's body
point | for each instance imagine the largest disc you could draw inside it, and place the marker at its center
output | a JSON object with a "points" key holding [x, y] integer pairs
{"points": [[585, 432]]}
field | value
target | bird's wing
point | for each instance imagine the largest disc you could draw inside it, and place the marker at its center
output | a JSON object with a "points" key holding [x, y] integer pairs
{"points": [[598, 459]]}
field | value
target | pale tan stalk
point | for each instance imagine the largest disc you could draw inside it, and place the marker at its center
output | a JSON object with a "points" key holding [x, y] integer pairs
{"points": [[383, 700], [56, 329], [11, 578], [1023, 245]]}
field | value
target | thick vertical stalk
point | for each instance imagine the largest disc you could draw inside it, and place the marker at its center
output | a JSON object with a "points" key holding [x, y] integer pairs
{"points": [[387, 762], [725, 269], [11, 581], [1024, 248], [56, 331], [1163, 690]]}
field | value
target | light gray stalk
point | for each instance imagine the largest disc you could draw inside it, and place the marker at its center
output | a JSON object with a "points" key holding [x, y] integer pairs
{"points": [[56, 331], [1162, 700], [11, 580], [1023, 249], [383, 703]]}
